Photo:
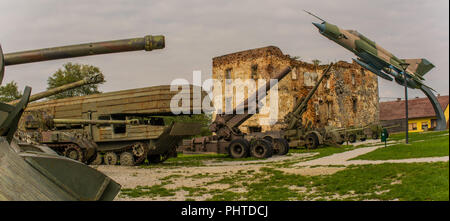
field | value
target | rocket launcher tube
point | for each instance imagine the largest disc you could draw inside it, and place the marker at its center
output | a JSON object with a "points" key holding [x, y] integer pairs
{"points": [[146, 43]]}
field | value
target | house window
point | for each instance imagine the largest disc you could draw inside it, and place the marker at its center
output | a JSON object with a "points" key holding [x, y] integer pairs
{"points": [[424, 125], [433, 123], [254, 71], [353, 79], [412, 126]]}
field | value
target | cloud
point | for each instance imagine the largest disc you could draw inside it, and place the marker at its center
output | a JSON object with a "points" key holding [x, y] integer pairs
{"points": [[196, 31]]}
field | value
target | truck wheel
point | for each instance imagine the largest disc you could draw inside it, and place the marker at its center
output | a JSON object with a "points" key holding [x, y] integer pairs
{"points": [[312, 141], [261, 148], [126, 159], [238, 148], [110, 158], [280, 146], [352, 138], [98, 159], [74, 152], [140, 151]]}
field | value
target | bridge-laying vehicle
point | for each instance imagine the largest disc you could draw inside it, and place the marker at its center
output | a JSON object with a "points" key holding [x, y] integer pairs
{"points": [[35, 172], [126, 126]]}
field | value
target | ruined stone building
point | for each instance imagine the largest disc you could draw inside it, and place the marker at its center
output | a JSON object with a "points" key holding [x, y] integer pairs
{"points": [[349, 97]]}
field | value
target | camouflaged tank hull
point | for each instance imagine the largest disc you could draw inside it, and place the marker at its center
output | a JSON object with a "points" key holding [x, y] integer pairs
{"points": [[37, 173]]}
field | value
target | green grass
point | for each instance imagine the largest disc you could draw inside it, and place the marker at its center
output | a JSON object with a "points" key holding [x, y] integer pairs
{"points": [[430, 144], [408, 182], [402, 181], [147, 191], [416, 136], [414, 181]]}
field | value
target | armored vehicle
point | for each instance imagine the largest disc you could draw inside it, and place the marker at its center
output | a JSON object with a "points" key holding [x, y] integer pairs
{"points": [[34, 172], [106, 120]]}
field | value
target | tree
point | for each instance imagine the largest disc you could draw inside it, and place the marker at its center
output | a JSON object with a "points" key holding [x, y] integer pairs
{"points": [[9, 92], [72, 73], [316, 62]]}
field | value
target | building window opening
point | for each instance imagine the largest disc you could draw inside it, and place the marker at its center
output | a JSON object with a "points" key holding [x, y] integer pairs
{"points": [[433, 123], [353, 79], [412, 126], [424, 125], [228, 73], [355, 105], [254, 71]]}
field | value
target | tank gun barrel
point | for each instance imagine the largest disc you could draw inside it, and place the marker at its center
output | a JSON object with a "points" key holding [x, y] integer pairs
{"points": [[146, 43], [299, 107], [98, 78]]}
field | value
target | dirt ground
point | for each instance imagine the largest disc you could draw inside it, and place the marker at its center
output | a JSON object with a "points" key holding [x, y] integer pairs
{"points": [[211, 171]]}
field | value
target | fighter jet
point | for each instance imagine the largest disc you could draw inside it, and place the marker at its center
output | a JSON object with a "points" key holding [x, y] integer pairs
{"points": [[383, 63], [374, 58]]}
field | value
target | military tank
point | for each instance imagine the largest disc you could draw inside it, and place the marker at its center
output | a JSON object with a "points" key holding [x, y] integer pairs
{"points": [[37, 172]]}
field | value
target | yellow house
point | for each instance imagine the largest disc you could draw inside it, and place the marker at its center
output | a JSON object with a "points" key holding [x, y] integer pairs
{"points": [[421, 115]]}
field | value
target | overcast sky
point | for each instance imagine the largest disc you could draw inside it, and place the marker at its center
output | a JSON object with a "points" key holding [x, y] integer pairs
{"points": [[196, 31]]}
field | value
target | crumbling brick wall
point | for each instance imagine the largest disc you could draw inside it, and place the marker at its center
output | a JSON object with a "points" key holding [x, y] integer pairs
{"points": [[349, 97]]}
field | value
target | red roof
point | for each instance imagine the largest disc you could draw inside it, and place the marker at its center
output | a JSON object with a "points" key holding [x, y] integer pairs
{"points": [[417, 108]]}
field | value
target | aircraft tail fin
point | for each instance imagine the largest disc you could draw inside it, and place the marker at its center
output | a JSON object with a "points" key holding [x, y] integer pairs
{"points": [[419, 66]]}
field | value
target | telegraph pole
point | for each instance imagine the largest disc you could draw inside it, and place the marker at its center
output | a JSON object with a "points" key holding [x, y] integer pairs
{"points": [[404, 66]]}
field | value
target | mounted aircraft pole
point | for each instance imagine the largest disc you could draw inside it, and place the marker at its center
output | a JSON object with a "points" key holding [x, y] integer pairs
{"points": [[404, 66]]}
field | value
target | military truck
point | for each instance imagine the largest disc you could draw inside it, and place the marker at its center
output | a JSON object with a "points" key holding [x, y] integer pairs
{"points": [[35, 172], [103, 119]]}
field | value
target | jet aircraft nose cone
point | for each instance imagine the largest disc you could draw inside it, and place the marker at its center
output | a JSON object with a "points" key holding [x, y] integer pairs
{"points": [[321, 27]]}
